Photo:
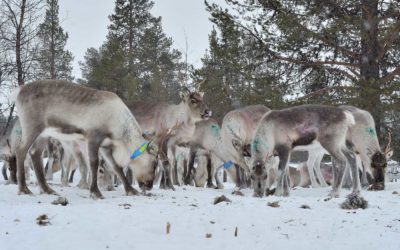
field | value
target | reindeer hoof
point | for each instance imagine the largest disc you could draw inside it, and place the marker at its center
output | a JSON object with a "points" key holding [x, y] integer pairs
{"points": [[278, 192], [211, 186], [167, 187], [48, 190], [131, 192], [220, 186], [96, 196], [333, 194], [25, 190], [83, 185], [10, 182]]}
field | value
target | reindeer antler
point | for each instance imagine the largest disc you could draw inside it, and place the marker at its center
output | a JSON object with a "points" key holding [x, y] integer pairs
{"points": [[164, 137], [200, 83]]}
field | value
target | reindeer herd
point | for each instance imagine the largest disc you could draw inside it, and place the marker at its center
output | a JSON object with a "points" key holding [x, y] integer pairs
{"points": [[113, 142]]}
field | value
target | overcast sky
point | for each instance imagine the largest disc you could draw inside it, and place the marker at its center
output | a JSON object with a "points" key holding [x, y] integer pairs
{"points": [[86, 22]]}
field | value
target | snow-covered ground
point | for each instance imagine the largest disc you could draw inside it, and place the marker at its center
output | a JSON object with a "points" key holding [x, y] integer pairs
{"points": [[121, 222]]}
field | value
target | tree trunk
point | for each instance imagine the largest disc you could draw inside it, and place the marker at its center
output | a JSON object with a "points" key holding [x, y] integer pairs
{"points": [[18, 48], [52, 44], [369, 64]]}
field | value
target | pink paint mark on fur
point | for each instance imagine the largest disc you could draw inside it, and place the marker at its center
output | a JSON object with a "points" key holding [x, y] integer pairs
{"points": [[306, 127]]}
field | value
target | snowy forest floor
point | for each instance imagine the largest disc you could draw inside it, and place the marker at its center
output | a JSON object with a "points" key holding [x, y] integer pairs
{"points": [[139, 222]]}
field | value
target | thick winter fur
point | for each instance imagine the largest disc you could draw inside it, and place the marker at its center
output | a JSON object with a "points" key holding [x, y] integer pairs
{"points": [[68, 111], [280, 131]]}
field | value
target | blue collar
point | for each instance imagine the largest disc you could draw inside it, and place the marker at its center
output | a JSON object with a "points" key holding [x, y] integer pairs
{"points": [[140, 150], [228, 164]]}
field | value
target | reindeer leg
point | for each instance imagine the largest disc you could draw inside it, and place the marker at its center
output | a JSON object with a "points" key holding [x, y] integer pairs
{"points": [[282, 189], [351, 159], [310, 166], [50, 161], [93, 148], [238, 177], [4, 171], [209, 173], [220, 185], [71, 177], [338, 172], [13, 169], [189, 177], [317, 168], [83, 169], [167, 176], [66, 171], [129, 176], [36, 156], [129, 190], [347, 178], [22, 150]]}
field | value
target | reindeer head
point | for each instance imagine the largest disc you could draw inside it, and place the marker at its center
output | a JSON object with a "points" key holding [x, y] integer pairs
{"points": [[196, 105], [157, 148], [259, 178], [379, 164], [146, 165]]}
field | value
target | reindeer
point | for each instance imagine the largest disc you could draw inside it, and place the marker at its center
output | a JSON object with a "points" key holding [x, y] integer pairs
{"points": [[363, 140], [67, 111], [230, 142], [8, 145], [280, 131], [156, 118]]}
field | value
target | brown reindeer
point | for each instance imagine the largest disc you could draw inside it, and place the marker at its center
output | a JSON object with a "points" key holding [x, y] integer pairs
{"points": [[280, 131]]}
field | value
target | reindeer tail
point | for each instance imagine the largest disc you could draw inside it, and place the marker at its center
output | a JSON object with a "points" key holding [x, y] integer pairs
{"points": [[349, 118]]}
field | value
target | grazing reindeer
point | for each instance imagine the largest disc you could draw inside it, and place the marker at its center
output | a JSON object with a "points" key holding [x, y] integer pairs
{"points": [[156, 118], [363, 140], [230, 142], [8, 145], [68, 111], [280, 131]]}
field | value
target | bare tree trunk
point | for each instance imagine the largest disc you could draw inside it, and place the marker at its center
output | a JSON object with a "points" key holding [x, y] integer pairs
{"points": [[52, 45], [369, 63], [18, 45]]}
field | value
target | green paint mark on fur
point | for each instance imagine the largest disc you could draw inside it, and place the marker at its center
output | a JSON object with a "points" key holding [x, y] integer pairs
{"points": [[215, 130], [257, 143], [178, 157], [371, 131], [18, 131]]}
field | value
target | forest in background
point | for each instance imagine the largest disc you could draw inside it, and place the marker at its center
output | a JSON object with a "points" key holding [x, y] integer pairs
{"points": [[278, 53]]}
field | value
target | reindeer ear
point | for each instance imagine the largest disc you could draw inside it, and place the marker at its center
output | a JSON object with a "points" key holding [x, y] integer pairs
{"points": [[152, 148], [237, 145], [201, 94], [389, 154], [184, 94]]}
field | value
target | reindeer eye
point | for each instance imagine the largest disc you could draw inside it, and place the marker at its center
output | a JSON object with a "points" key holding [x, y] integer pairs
{"points": [[193, 101]]}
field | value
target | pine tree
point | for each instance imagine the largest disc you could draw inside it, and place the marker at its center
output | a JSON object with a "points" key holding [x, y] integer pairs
{"points": [[345, 44], [54, 61], [137, 60]]}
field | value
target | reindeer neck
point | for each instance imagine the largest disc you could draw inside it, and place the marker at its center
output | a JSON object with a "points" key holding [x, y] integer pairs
{"points": [[181, 113]]}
